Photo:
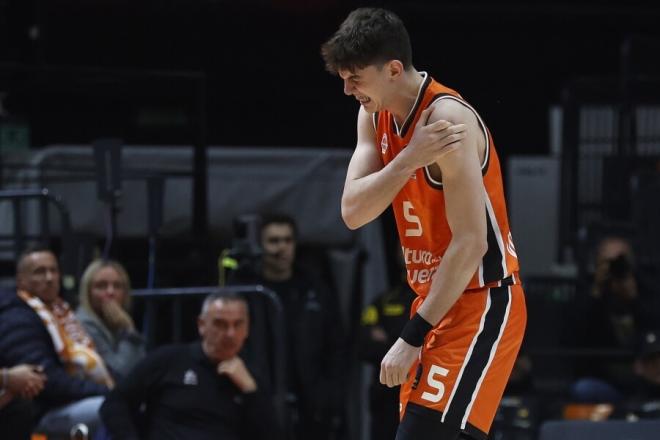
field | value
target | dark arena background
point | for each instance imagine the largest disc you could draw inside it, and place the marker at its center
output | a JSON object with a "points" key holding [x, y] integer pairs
{"points": [[155, 132]]}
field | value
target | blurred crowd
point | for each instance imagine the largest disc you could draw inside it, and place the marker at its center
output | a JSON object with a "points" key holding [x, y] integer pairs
{"points": [[83, 369], [85, 372]]}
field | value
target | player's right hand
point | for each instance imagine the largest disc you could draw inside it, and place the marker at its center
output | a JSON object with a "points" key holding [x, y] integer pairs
{"points": [[432, 140]]}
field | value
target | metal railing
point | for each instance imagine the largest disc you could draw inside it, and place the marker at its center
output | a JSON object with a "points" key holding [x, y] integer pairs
{"points": [[29, 82], [17, 240], [17, 197], [267, 336], [607, 137]]}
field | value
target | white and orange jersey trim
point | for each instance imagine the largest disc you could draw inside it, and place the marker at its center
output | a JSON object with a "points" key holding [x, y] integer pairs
{"points": [[419, 208]]}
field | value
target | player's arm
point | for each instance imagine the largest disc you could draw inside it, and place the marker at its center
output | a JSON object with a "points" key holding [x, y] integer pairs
{"points": [[466, 213], [370, 187], [465, 210]]}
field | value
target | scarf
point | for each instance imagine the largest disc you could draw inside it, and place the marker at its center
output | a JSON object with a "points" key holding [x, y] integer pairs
{"points": [[73, 345]]}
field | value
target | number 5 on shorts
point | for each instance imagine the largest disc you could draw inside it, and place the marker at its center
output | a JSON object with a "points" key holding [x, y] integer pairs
{"points": [[435, 383]]}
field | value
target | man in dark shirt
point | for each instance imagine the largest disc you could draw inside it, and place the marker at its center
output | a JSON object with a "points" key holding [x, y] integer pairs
{"points": [[197, 391], [316, 354]]}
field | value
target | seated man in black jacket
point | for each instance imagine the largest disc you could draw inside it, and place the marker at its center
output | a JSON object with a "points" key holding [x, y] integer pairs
{"points": [[197, 391], [38, 328]]}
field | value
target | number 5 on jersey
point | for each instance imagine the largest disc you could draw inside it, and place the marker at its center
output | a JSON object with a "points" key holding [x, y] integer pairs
{"points": [[412, 218]]}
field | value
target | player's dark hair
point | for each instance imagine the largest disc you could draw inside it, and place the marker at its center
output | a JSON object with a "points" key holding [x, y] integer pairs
{"points": [[368, 36]]}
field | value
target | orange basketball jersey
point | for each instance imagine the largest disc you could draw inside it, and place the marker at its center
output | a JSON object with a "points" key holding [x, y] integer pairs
{"points": [[419, 208]]}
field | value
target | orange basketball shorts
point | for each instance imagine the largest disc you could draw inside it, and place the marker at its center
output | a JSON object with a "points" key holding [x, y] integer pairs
{"points": [[467, 358]]}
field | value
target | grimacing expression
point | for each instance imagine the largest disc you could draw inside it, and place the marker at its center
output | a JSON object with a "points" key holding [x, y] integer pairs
{"points": [[368, 85], [107, 285], [223, 327], [279, 245], [40, 276]]}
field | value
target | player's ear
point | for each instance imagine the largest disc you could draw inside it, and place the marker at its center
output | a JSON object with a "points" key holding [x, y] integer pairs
{"points": [[394, 68]]}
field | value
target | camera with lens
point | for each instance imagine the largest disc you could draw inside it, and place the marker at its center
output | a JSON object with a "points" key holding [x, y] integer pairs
{"points": [[620, 268], [240, 262]]}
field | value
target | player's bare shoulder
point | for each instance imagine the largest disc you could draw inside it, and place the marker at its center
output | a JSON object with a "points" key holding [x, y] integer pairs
{"points": [[452, 110], [458, 111], [365, 159], [366, 126]]}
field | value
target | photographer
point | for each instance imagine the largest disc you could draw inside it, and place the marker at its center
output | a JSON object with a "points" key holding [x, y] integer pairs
{"points": [[316, 360], [620, 305], [617, 308], [644, 399]]}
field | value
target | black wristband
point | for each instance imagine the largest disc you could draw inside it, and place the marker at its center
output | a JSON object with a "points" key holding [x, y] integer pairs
{"points": [[415, 330]]}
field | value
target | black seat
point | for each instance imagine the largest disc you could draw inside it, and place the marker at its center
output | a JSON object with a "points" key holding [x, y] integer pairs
{"points": [[607, 430]]}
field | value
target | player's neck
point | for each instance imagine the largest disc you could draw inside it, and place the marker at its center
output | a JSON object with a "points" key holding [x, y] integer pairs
{"points": [[404, 102]]}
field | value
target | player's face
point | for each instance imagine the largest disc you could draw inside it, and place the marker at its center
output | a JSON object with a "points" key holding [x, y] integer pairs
{"points": [[223, 328], [367, 85], [279, 245], [40, 276]]}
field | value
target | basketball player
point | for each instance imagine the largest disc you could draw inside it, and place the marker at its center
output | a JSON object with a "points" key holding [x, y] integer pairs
{"points": [[425, 151]]}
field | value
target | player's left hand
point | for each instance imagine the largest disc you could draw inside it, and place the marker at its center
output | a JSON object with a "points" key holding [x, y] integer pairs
{"points": [[397, 362]]}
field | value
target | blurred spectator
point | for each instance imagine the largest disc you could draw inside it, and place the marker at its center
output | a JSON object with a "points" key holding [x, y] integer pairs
{"points": [[381, 325], [196, 391], [521, 381], [636, 399], [521, 408], [647, 366], [644, 397], [18, 386], [618, 306], [620, 303], [104, 311], [316, 363], [37, 327]]}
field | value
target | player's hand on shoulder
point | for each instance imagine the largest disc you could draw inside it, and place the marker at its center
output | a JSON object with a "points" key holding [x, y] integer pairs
{"points": [[433, 137]]}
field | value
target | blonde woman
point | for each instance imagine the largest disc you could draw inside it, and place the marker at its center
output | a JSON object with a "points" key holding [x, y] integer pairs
{"points": [[104, 312]]}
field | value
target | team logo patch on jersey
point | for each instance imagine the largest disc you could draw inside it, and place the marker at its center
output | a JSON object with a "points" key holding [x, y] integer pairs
{"points": [[190, 378], [383, 144]]}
